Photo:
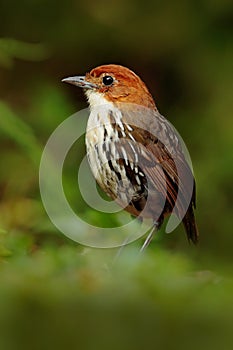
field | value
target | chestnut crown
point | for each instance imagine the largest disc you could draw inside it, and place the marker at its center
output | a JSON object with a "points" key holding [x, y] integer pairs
{"points": [[114, 83]]}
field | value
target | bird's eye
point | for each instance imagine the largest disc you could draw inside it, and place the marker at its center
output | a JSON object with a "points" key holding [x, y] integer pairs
{"points": [[108, 80]]}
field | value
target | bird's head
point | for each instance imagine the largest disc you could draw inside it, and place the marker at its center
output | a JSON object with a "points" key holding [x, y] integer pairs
{"points": [[113, 83]]}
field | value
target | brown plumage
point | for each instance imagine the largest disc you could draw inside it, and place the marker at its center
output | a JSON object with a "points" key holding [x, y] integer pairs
{"points": [[134, 152]]}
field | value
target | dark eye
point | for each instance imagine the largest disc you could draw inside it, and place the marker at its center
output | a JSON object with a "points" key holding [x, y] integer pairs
{"points": [[108, 80]]}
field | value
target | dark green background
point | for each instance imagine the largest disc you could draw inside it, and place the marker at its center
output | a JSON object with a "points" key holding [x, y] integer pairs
{"points": [[55, 293]]}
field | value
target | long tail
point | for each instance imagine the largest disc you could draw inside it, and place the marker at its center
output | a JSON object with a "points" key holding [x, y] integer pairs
{"points": [[190, 225]]}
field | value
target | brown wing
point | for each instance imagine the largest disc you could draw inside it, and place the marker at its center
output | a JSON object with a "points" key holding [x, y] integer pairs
{"points": [[160, 156], [164, 173]]}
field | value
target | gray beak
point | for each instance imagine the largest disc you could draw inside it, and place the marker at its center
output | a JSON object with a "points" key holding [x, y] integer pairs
{"points": [[80, 82]]}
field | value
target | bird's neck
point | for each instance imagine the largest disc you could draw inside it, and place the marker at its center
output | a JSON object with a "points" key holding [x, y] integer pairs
{"points": [[97, 99]]}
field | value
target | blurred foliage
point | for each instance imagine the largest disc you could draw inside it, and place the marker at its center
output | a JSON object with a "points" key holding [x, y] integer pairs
{"points": [[56, 293], [10, 49], [20, 132]]}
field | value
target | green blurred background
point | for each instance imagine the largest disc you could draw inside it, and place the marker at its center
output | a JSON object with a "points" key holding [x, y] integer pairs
{"points": [[56, 293]]}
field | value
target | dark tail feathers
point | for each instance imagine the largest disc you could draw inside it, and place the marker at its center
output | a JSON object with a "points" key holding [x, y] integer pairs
{"points": [[190, 225]]}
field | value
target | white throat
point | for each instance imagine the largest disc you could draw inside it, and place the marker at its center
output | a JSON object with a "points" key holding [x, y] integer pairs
{"points": [[95, 99]]}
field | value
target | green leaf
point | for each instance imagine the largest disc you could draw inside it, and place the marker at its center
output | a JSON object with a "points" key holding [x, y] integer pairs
{"points": [[20, 132], [11, 48]]}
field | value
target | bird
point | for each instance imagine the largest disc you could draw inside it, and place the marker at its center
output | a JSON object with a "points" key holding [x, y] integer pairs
{"points": [[134, 153]]}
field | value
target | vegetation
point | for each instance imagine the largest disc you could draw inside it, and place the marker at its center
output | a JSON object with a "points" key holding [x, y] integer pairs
{"points": [[57, 293]]}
